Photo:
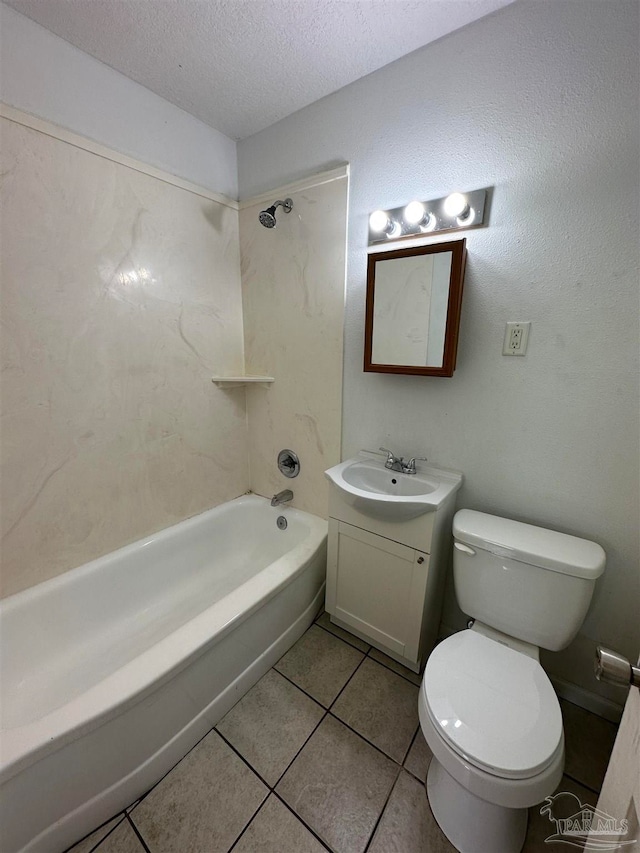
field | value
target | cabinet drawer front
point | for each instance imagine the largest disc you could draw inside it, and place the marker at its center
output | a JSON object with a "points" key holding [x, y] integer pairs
{"points": [[376, 586]]}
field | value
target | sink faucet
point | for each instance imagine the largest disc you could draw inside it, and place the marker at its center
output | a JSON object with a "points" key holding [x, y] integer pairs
{"points": [[397, 463], [282, 497]]}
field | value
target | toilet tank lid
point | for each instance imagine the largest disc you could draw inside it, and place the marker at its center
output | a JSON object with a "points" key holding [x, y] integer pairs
{"points": [[515, 540]]}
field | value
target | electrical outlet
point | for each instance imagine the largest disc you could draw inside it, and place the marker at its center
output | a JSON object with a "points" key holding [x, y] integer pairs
{"points": [[516, 336]]}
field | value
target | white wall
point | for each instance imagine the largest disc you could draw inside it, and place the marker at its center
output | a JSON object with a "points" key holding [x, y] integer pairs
{"points": [[48, 77], [539, 101]]}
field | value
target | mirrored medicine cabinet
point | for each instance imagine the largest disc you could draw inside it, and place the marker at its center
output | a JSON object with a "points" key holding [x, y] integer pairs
{"points": [[414, 298]]}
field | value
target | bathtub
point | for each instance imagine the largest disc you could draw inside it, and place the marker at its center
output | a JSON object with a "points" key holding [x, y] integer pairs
{"points": [[111, 672]]}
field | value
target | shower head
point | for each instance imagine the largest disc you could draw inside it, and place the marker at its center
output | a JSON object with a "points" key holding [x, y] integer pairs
{"points": [[268, 217]]}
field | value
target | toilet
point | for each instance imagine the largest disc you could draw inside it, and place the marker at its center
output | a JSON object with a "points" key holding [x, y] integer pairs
{"points": [[487, 708]]}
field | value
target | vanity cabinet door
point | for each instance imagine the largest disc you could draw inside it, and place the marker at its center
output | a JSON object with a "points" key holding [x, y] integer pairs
{"points": [[377, 586]]}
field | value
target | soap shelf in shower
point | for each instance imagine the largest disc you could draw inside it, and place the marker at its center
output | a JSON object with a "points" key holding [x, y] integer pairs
{"points": [[238, 381]]}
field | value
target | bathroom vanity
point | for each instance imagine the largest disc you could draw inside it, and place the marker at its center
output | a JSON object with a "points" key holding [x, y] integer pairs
{"points": [[389, 546]]}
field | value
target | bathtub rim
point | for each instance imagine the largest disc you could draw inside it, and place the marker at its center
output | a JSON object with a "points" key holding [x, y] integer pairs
{"points": [[23, 746]]}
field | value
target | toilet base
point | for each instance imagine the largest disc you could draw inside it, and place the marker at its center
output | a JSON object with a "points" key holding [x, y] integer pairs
{"points": [[471, 824]]}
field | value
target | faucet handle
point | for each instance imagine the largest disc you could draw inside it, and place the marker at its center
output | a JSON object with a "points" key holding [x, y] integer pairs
{"points": [[389, 452], [391, 458], [411, 464]]}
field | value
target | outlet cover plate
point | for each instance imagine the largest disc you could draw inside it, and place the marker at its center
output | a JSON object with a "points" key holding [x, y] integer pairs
{"points": [[516, 337]]}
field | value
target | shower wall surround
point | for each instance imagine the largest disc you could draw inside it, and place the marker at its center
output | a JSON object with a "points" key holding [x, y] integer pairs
{"points": [[293, 286], [120, 298]]}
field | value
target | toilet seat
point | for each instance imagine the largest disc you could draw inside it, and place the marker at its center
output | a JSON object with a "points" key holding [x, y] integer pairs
{"points": [[493, 706]]}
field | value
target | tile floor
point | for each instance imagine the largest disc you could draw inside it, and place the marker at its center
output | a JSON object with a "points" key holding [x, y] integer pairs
{"points": [[324, 753]]}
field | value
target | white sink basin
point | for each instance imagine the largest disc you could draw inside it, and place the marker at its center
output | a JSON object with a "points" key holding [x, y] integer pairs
{"points": [[372, 489]]}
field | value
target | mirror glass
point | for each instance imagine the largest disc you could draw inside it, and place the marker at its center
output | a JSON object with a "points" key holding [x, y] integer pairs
{"points": [[413, 309]]}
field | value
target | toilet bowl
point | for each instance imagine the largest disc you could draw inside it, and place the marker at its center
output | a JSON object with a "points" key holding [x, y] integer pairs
{"points": [[487, 708], [493, 723]]}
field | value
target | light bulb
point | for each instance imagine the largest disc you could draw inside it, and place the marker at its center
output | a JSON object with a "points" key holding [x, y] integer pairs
{"points": [[379, 221], [414, 213], [429, 223], [466, 216], [455, 205]]}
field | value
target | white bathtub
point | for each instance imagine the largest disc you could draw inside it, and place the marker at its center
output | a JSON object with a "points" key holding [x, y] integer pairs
{"points": [[113, 671]]}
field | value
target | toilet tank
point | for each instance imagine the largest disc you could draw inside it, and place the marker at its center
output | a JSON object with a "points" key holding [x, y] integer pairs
{"points": [[528, 582]]}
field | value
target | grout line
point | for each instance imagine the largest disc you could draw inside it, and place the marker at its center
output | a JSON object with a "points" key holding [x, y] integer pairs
{"points": [[302, 690], [386, 666], [303, 822], [413, 740], [315, 729], [344, 640], [120, 815], [595, 791], [249, 822], [411, 773], [140, 838], [410, 745], [362, 737], [423, 782], [382, 811], [134, 805], [297, 686], [348, 681], [243, 759]]}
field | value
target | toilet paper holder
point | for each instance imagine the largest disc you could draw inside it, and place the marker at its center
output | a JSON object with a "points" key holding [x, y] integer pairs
{"points": [[614, 668]]}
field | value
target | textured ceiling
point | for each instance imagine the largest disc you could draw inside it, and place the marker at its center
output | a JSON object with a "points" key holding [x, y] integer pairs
{"points": [[241, 65]]}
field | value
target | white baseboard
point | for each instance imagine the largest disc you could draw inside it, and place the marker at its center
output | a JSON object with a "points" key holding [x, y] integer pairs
{"points": [[586, 699]]}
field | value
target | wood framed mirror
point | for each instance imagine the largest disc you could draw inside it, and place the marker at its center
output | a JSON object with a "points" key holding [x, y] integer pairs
{"points": [[414, 298]]}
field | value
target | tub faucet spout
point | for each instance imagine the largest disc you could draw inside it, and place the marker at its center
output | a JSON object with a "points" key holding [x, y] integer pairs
{"points": [[282, 497]]}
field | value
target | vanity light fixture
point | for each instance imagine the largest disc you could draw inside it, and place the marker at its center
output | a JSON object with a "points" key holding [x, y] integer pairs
{"points": [[451, 213]]}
